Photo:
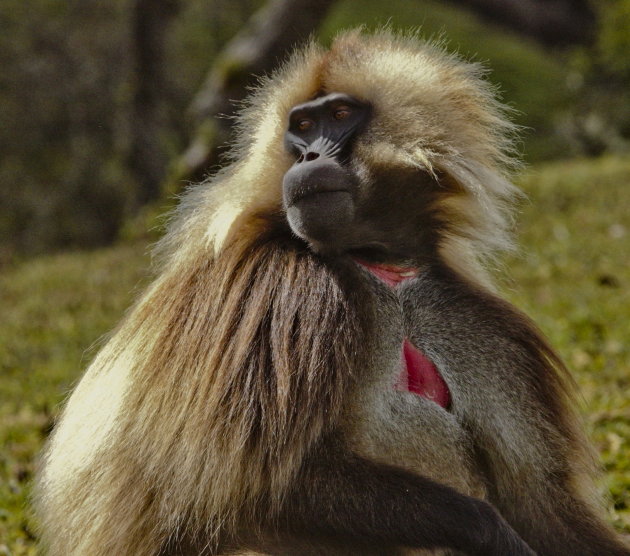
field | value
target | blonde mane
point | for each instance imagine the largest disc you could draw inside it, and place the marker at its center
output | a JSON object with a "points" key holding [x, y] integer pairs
{"points": [[432, 111]]}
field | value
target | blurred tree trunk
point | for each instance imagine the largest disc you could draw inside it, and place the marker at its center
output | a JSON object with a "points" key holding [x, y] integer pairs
{"points": [[269, 35], [148, 160], [549, 22]]}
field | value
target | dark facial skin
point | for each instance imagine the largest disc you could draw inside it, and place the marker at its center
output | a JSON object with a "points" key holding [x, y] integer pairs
{"points": [[330, 208], [319, 191]]}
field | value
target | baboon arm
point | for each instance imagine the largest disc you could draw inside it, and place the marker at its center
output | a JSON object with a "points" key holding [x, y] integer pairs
{"points": [[534, 453], [347, 499]]}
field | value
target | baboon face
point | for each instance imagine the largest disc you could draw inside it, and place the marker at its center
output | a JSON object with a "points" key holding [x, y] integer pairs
{"points": [[320, 190], [338, 203]]}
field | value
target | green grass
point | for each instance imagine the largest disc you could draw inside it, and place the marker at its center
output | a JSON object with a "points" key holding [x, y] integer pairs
{"points": [[572, 275], [53, 309]]}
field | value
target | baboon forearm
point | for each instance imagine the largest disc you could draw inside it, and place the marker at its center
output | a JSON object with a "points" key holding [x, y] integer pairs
{"points": [[347, 498]]}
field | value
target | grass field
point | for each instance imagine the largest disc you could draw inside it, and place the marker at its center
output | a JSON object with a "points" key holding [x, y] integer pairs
{"points": [[572, 275]]}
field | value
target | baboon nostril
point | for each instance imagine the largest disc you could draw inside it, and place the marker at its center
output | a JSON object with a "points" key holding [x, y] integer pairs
{"points": [[311, 156], [301, 159]]}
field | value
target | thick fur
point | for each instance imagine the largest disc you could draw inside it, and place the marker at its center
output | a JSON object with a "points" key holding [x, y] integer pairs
{"points": [[432, 112], [243, 355], [251, 363]]}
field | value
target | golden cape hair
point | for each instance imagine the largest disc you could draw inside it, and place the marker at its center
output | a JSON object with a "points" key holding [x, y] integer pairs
{"points": [[431, 111]]}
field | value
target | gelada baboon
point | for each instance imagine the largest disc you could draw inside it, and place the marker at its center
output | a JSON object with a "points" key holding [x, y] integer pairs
{"points": [[321, 365]]}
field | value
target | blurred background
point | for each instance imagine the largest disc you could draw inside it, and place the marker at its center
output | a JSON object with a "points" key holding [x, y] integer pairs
{"points": [[109, 109]]}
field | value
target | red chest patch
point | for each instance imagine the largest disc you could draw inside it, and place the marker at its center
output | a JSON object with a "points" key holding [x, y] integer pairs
{"points": [[418, 374]]}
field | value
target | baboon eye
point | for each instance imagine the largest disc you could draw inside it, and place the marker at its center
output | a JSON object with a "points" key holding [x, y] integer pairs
{"points": [[342, 113], [304, 124]]}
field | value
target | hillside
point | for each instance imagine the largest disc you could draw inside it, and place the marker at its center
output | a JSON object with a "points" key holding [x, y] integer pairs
{"points": [[572, 275]]}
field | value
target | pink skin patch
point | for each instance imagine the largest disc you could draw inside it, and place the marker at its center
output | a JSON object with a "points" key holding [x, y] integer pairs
{"points": [[418, 375], [392, 275]]}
